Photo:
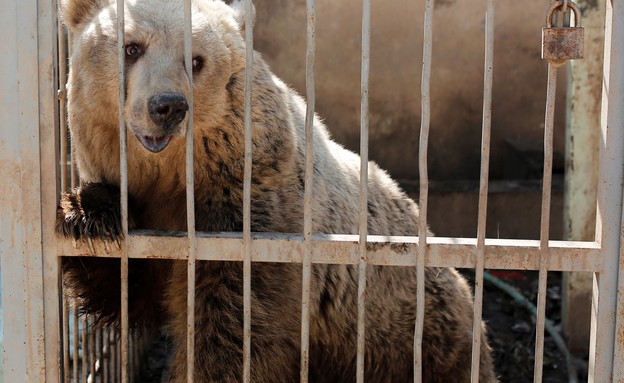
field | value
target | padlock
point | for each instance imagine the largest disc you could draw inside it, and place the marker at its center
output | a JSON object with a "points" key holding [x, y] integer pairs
{"points": [[560, 44]]}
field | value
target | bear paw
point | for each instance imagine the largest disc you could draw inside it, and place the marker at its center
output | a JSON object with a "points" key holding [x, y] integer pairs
{"points": [[91, 211]]}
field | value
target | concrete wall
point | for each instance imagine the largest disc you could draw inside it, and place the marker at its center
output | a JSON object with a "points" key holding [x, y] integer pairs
{"points": [[396, 60]]}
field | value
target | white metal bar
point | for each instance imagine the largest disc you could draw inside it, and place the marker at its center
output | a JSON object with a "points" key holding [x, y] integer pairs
{"points": [[545, 222], [483, 190], [118, 362], [107, 354], [62, 99], [504, 254], [47, 30], [131, 365], [97, 365], [618, 354], [75, 340], [20, 155], [91, 332], [65, 346], [74, 178], [84, 342], [363, 229], [247, 247], [136, 348], [190, 198], [609, 211], [65, 172], [123, 169], [424, 188], [308, 195]]}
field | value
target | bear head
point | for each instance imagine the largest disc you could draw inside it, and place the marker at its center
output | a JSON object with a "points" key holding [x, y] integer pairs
{"points": [[157, 88]]}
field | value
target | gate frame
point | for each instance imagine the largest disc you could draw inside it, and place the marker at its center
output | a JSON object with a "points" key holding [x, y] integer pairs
{"points": [[28, 198]]}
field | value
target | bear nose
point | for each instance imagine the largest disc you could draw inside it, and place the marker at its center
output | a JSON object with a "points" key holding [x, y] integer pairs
{"points": [[167, 109]]}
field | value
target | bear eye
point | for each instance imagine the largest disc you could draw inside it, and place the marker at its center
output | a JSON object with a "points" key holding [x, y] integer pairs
{"points": [[133, 52], [198, 64]]}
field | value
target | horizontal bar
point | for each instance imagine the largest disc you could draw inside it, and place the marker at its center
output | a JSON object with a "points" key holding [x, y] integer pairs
{"points": [[504, 254]]}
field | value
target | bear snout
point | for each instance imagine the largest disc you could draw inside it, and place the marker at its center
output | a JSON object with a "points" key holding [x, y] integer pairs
{"points": [[167, 110]]}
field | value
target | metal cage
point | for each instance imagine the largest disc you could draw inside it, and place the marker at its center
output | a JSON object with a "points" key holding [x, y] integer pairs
{"points": [[33, 154]]}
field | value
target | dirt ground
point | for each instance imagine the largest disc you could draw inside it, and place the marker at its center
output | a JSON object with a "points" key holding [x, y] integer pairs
{"points": [[512, 329], [511, 333]]}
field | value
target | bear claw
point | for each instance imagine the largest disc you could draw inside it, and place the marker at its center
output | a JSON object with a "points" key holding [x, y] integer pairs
{"points": [[89, 212]]}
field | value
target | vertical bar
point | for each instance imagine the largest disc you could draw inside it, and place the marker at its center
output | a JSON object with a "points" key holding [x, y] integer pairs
{"points": [[190, 199], [618, 354], [22, 253], [64, 165], [364, 118], [247, 194], [75, 340], [75, 179], [118, 364], [483, 189], [131, 357], [545, 222], [97, 365], [136, 346], [307, 199], [65, 340], [123, 169], [85, 347], [584, 83], [62, 99], [609, 217], [91, 331], [107, 356], [424, 189], [49, 124]]}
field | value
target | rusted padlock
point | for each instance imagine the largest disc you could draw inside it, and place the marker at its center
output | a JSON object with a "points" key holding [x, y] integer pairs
{"points": [[560, 44]]}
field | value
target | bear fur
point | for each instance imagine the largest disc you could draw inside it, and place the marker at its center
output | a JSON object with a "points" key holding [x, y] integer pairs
{"points": [[155, 71]]}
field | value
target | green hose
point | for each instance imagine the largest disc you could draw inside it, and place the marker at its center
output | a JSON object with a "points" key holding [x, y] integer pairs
{"points": [[550, 327]]}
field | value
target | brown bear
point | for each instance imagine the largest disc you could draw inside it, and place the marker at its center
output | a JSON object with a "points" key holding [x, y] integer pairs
{"points": [[156, 115]]}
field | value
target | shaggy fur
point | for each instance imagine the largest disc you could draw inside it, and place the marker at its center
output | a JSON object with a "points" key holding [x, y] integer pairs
{"points": [[157, 191]]}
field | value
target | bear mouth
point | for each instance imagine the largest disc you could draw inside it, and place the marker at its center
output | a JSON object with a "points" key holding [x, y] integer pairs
{"points": [[154, 144]]}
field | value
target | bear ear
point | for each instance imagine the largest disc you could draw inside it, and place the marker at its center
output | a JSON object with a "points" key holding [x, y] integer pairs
{"points": [[77, 12], [239, 14]]}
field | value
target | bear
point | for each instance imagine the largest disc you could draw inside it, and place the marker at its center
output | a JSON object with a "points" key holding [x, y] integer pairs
{"points": [[156, 114]]}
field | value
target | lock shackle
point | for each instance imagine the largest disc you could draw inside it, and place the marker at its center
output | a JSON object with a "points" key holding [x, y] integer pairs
{"points": [[559, 4]]}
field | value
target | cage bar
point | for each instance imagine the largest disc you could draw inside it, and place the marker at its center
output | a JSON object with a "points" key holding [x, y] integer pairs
{"points": [[118, 358], [483, 191], [65, 170], [247, 246], [545, 222], [190, 198], [65, 323], [618, 368], [76, 339], [37, 152], [123, 170], [609, 211], [84, 343], [97, 365], [363, 203], [62, 102], [107, 355], [22, 256], [504, 254], [49, 122], [425, 89], [306, 274]]}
